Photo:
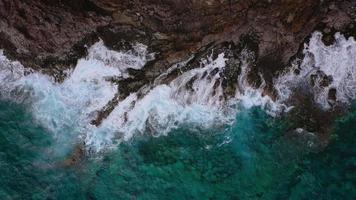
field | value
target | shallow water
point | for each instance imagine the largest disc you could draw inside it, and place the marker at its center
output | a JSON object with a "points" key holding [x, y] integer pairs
{"points": [[180, 140], [250, 159]]}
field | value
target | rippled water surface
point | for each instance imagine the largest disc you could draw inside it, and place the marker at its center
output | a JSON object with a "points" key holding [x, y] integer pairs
{"points": [[251, 159]]}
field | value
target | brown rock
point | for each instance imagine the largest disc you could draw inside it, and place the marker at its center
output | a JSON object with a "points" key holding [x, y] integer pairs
{"points": [[48, 28], [51, 34]]}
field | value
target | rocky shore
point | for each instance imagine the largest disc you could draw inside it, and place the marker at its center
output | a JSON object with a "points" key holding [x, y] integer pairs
{"points": [[51, 35]]}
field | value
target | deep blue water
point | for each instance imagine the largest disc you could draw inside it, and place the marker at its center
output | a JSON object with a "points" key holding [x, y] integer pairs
{"points": [[252, 159]]}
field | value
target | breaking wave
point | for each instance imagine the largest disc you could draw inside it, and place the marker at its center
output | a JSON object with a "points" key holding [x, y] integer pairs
{"points": [[330, 71], [194, 98]]}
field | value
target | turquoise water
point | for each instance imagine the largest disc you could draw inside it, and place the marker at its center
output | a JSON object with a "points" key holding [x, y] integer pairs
{"points": [[251, 159]]}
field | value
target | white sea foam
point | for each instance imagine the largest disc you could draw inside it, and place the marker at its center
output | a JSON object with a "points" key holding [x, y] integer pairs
{"points": [[67, 108], [166, 107], [10, 74], [194, 98], [135, 58], [249, 96], [336, 61]]}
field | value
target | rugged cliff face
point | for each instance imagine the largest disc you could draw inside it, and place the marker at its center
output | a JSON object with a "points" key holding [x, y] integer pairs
{"points": [[50, 35]]}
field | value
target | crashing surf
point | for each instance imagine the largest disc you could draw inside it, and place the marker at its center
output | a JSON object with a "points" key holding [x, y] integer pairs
{"points": [[195, 97]]}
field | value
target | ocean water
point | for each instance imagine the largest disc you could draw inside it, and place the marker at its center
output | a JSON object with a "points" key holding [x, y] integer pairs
{"points": [[250, 159], [176, 140]]}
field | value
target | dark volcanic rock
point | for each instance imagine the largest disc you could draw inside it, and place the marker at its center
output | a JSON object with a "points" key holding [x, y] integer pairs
{"points": [[50, 35], [42, 33]]}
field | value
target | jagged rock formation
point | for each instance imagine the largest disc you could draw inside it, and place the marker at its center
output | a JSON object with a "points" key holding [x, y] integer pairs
{"points": [[50, 35], [39, 33], [49, 31]]}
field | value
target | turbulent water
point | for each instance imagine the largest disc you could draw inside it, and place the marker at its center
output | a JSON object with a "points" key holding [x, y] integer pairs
{"points": [[182, 140], [249, 159]]}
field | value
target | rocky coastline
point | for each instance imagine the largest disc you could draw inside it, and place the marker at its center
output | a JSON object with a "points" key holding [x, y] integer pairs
{"points": [[51, 35]]}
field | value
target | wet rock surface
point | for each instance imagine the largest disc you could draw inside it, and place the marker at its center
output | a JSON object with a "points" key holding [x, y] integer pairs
{"points": [[51, 35], [47, 32]]}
